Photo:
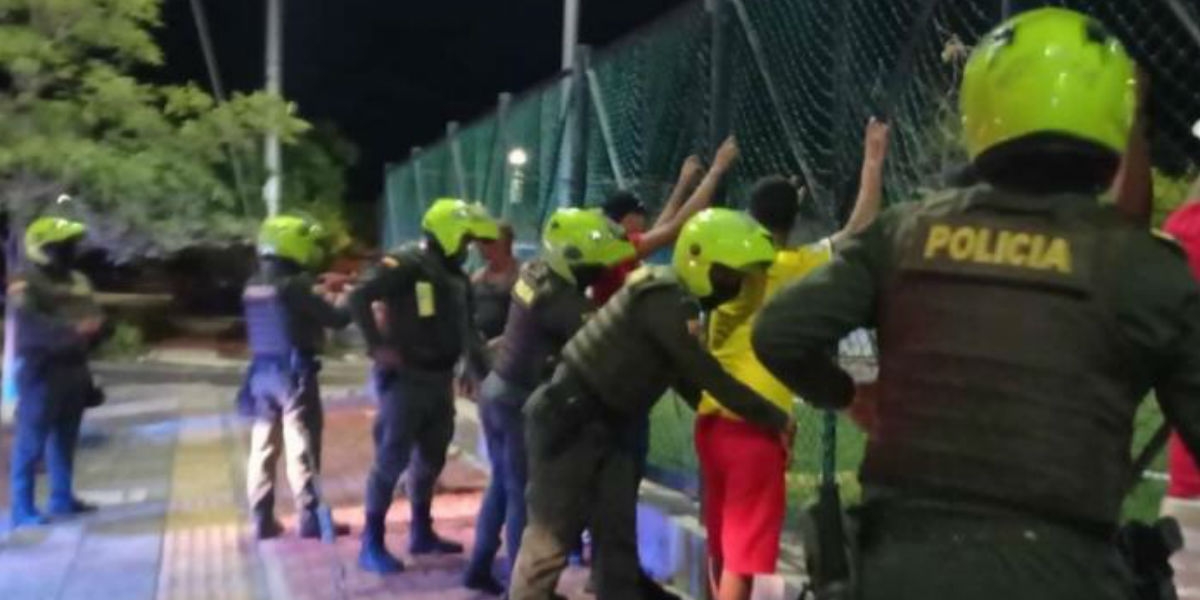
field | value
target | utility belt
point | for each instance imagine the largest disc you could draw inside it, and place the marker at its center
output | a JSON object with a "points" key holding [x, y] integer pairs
{"points": [[888, 522]]}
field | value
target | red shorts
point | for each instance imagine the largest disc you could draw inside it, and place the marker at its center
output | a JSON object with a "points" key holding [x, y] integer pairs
{"points": [[744, 493], [1182, 469]]}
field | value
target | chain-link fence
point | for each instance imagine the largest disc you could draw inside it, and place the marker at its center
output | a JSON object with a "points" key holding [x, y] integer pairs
{"points": [[795, 80]]}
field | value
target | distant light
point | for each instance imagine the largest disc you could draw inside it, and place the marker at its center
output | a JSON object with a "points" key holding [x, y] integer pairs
{"points": [[1196, 129], [62, 199], [517, 157]]}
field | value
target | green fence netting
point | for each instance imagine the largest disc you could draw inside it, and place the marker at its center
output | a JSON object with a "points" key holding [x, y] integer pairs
{"points": [[805, 76]]}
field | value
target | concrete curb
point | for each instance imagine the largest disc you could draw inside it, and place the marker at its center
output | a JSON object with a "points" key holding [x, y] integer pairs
{"points": [[671, 537]]}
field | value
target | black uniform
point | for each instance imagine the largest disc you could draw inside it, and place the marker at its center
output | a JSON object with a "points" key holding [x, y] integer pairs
{"points": [[429, 308], [546, 311], [285, 327], [54, 383], [1017, 338], [619, 364]]}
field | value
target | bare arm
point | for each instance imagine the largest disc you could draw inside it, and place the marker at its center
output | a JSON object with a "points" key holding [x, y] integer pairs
{"points": [[870, 187], [665, 234], [689, 177], [1134, 186]]}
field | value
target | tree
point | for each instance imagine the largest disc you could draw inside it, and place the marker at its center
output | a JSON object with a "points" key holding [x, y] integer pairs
{"points": [[146, 163]]}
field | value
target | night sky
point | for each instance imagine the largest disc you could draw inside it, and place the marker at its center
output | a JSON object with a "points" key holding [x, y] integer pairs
{"points": [[390, 73]]}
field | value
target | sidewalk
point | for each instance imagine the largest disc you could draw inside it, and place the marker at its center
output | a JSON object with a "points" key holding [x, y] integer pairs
{"points": [[166, 464]]}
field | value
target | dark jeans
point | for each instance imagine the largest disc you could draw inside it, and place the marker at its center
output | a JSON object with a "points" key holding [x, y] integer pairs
{"points": [[47, 424], [415, 421], [504, 503]]}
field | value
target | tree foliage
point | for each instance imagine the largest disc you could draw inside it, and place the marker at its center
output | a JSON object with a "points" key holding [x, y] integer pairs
{"points": [[147, 164]]}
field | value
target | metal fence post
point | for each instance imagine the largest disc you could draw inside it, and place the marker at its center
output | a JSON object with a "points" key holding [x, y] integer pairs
{"points": [[499, 154], [721, 94], [419, 200], [580, 102], [460, 172]]}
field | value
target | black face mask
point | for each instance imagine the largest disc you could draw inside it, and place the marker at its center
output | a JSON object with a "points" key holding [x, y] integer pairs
{"points": [[723, 291], [62, 254], [586, 275]]}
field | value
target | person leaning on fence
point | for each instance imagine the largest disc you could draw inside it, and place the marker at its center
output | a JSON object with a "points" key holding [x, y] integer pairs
{"points": [[613, 371], [423, 299], [743, 467], [285, 328], [1020, 323], [549, 305]]}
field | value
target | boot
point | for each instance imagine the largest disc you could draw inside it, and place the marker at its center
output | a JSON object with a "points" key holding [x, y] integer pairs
{"points": [[482, 582], [27, 517], [266, 526], [652, 590], [422, 538], [310, 525], [71, 507], [24, 511], [374, 557]]}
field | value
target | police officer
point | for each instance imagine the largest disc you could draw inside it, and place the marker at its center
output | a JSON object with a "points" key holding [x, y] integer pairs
{"points": [[285, 327], [614, 369], [427, 311], [549, 304], [1021, 324], [58, 322]]}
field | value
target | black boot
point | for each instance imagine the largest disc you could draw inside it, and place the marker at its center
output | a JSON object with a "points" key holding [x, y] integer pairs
{"points": [[422, 538], [266, 527], [70, 507], [653, 590], [482, 582], [373, 556], [310, 525]]}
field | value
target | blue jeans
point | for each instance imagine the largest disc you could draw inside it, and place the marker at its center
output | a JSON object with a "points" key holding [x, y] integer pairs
{"points": [[503, 507], [47, 424]]}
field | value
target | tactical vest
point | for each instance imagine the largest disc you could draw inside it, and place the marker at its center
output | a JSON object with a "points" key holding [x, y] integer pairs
{"points": [[526, 348], [613, 356], [266, 320], [1003, 375], [429, 319]]}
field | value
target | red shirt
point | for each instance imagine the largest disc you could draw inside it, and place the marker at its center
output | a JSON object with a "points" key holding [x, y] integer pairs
{"points": [[611, 281], [1184, 226]]}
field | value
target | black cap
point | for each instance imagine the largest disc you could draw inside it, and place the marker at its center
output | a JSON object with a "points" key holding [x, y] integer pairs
{"points": [[622, 203]]}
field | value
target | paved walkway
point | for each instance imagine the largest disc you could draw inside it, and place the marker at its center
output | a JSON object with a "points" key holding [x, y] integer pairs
{"points": [[166, 463]]}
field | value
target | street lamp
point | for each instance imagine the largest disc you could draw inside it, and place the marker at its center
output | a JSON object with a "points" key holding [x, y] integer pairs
{"points": [[517, 157]]}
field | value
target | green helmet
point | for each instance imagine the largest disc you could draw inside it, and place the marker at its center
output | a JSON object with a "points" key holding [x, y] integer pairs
{"points": [[455, 222], [50, 230], [1048, 70], [575, 237], [720, 236], [293, 238]]}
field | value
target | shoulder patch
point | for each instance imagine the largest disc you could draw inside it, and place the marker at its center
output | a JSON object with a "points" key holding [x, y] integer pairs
{"points": [[524, 292]]}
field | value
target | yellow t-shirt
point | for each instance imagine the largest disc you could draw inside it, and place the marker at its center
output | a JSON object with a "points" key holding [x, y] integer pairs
{"points": [[730, 325]]}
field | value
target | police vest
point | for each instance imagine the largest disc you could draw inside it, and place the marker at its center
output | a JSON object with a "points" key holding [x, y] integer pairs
{"points": [[612, 355], [266, 320], [527, 350], [1002, 373], [429, 316]]}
